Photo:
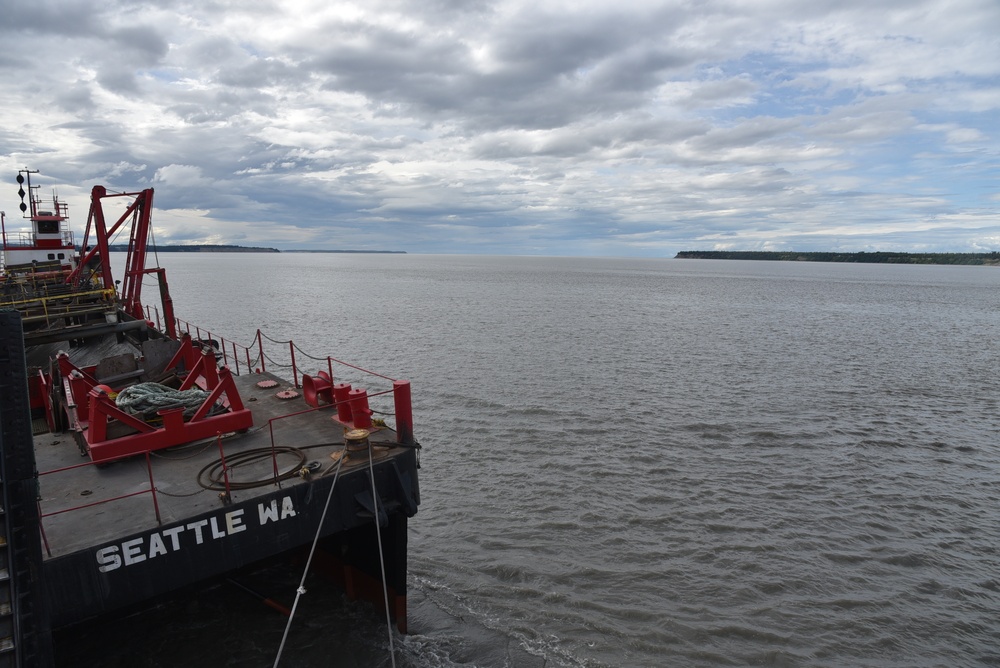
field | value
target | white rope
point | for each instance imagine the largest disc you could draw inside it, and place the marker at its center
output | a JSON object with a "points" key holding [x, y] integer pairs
{"points": [[381, 558], [302, 583], [151, 397]]}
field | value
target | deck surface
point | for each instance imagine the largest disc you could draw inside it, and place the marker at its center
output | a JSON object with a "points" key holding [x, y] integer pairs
{"points": [[175, 471]]}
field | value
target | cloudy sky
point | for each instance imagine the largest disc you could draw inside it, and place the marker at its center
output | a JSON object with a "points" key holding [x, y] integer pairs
{"points": [[615, 127]]}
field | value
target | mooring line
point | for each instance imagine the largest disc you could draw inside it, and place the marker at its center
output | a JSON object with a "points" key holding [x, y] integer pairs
{"points": [[302, 583], [381, 557]]}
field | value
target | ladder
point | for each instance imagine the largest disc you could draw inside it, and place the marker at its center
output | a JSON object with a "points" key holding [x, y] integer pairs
{"points": [[25, 635]]}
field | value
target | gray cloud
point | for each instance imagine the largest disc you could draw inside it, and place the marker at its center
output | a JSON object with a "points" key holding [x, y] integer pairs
{"points": [[495, 127]]}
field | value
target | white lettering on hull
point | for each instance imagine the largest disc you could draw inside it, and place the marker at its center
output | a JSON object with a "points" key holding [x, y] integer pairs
{"points": [[175, 539]]}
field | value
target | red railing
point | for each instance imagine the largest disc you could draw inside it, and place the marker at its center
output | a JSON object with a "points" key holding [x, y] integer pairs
{"points": [[27, 238], [254, 359], [349, 403], [151, 491]]}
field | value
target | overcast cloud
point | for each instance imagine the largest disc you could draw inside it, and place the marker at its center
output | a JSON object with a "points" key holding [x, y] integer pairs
{"points": [[499, 126]]}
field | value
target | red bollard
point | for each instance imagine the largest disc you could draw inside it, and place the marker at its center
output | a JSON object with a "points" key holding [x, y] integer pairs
{"points": [[341, 396], [360, 412], [404, 411]]}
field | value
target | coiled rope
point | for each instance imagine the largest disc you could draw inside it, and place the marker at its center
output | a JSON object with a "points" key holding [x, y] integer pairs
{"points": [[147, 398]]}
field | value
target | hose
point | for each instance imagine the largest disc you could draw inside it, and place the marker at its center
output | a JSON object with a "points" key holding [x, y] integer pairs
{"points": [[212, 477]]}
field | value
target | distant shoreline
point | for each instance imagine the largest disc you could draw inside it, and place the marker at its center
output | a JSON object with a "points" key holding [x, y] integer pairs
{"points": [[226, 248], [878, 257], [305, 250]]}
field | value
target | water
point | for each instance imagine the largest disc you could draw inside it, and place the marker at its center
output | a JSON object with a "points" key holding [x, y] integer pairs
{"points": [[642, 462]]}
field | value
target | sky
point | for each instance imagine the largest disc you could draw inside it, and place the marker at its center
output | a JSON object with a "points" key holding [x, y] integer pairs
{"points": [[608, 128]]}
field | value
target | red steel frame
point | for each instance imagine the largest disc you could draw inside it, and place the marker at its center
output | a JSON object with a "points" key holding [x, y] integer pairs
{"points": [[93, 400], [90, 409], [90, 406], [139, 212], [322, 390]]}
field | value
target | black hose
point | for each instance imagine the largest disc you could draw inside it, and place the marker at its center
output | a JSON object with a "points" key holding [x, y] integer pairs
{"points": [[212, 477]]}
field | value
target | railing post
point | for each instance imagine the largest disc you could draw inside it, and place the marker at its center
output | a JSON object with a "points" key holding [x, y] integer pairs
{"points": [[295, 372], [260, 349], [152, 489], [41, 530], [274, 453], [225, 469]]}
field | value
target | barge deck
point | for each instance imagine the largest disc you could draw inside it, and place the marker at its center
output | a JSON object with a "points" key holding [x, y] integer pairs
{"points": [[119, 533], [136, 462]]}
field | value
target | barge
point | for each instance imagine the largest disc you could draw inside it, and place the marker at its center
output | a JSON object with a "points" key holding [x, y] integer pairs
{"points": [[141, 455]]}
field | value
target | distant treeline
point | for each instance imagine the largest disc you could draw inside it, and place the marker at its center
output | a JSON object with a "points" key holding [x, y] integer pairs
{"points": [[383, 252], [877, 257], [199, 248], [225, 248]]}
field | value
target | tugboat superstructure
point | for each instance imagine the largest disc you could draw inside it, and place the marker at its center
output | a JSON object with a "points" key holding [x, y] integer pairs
{"points": [[49, 240]]}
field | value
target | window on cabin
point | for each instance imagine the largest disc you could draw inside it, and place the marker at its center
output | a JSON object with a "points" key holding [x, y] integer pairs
{"points": [[48, 227], [62, 256], [52, 256]]}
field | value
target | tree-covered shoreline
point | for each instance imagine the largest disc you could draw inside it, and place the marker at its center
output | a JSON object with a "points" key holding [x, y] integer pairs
{"points": [[197, 248], [878, 257], [228, 248]]}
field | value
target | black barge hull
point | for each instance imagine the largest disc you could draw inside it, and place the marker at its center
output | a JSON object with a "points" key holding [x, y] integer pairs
{"points": [[118, 534], [133, 568]]}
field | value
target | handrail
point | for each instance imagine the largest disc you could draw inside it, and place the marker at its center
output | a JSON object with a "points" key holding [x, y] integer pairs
{"points": [[400, 388], [400, 391], [331, 406], [43, 300], [28, 239], [183, 326], [151, 491]]}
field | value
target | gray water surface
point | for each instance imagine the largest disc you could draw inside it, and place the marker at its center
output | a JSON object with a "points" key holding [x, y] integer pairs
{"points": [[633, 462]]}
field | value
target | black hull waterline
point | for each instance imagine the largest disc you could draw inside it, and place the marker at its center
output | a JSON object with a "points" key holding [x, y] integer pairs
{"points": [[105, 578]]}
